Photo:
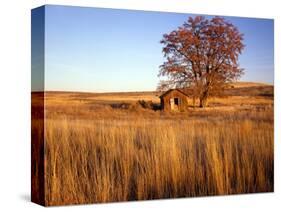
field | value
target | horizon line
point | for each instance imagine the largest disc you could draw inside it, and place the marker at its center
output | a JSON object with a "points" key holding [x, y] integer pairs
{"points": [[133, 91]]}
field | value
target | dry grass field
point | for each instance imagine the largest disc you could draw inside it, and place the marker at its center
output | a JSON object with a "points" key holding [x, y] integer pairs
{"points": [[113, 147]]}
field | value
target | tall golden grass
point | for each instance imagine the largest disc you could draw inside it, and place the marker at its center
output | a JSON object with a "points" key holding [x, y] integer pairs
{"points": [[105, 160], [96, 151]]}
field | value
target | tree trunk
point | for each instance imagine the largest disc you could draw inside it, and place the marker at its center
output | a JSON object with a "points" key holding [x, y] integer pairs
{"points": [[204, 96], [203, 100]]}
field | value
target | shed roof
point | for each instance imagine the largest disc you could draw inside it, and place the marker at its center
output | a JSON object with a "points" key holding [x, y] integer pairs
{"points": [[170, 90]]}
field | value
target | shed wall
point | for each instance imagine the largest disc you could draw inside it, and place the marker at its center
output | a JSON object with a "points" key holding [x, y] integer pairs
{"points": [[165, 101]]}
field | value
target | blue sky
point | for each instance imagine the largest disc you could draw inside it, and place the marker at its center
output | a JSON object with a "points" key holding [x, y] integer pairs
{"points": [[105, 50]]}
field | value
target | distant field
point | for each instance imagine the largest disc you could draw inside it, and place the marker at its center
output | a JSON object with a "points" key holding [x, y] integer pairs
{"points": [[249, 84], [104, 147]]}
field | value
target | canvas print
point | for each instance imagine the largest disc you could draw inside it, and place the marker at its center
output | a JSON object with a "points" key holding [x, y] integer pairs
{"points": [[141, 105]]}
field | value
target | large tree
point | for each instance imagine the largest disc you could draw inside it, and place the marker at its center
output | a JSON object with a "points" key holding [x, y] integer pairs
{"points": [[202, 54]]}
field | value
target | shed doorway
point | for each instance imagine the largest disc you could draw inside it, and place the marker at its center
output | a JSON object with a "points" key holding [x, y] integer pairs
{"points": [[174, 102]]}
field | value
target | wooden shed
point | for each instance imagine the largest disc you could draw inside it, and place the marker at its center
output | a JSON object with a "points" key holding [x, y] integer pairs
{"points": [[174, 100]]}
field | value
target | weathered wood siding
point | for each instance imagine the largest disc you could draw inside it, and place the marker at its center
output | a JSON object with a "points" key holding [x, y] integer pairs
{"points": [[165, 100]]}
